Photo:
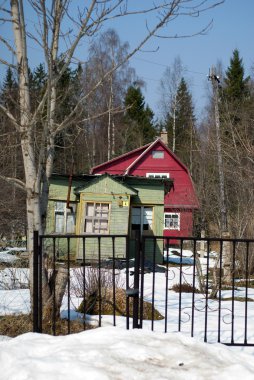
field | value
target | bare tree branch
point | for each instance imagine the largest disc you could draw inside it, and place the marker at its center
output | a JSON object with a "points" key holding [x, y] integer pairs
{"points": [[14, 181]]}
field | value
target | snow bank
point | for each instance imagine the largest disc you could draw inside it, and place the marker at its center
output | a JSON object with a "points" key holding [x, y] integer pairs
{"points": [[110, 353]]}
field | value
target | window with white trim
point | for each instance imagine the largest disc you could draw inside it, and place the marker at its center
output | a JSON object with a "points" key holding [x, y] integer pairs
{"points": [[96, 219], [65, 218], [158, 154], [157, 175], [171, 221]]}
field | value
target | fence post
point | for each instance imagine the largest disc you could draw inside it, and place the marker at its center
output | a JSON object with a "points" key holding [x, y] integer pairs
{"points": [[226, 257], [35, 287], [136, 284]]}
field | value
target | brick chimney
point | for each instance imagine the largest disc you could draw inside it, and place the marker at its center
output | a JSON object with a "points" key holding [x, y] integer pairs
{"points": [[164, 136]]}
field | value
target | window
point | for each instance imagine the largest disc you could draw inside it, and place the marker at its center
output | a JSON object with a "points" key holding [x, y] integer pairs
{"points": [[65, 218], [141, 219], [158, 154], [172, 221], [96, 218], [157, 175]]}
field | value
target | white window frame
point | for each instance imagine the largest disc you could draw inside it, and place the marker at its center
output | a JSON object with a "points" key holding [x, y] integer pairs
{"points": [[170, 217], [155, 152], [157, 175], [95, 218], [65, 212]]}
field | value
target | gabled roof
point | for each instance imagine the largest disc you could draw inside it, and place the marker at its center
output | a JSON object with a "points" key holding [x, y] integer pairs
{"points": [[98, 178], [149, 148], [143, 151], [118, 158]]}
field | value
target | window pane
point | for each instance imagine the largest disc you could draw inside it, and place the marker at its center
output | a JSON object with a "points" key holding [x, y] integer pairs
{"points": [[172, 221], [136, 215], [157, 154], [88, 226], [96, 219], [148, 215], [60, 206], [70, 223], [89, 209], [59, 222], [157, 175], [147, 218]]}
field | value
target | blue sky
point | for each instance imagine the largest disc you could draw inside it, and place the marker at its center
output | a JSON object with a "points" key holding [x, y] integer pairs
{"points": [[233, 27]]}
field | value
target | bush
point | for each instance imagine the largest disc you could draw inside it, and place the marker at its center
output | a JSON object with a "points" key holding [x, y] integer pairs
{"points": [[91, 305], [184, 288]]}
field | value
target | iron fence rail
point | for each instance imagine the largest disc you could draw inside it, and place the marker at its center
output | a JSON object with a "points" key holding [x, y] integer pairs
{"points": [[218, 308]]}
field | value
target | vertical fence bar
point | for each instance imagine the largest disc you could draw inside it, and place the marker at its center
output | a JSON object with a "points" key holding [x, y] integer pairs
{"points": [[114, 283], [180, 287], [68, 285], [127, 282], [40, 259], [233, 293], [153, 284], [166, 292], [54, 287], [220, 283], [193, 290], [136, 283], [142, 273], [207, 290], [99, 277], [36, 282], [246, 295], [84, 282]]}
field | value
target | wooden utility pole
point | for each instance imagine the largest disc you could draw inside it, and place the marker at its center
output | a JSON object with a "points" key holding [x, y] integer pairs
{"points": [[226, 251], [223, 209]]}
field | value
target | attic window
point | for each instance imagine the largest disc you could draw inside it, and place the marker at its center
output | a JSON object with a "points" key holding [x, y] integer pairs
{"points": [[157, 175], [158, 154]]}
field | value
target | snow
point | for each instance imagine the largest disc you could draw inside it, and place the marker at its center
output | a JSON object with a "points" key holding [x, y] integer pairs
{"points": [[109, 353], [115, 353]]}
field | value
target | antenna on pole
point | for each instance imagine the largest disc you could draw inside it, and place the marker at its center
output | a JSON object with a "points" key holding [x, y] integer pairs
{"points": [[215, 80]]}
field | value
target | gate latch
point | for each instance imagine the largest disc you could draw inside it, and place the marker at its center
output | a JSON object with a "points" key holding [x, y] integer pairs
{"points": [[132, 292]]}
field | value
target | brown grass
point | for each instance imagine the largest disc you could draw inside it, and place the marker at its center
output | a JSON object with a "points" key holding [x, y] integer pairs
{"points": [[107, 305], [184, 288], [14, 325]]}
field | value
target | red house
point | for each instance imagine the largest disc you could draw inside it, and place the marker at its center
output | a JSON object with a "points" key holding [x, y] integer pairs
{"points": [[157, 161]]}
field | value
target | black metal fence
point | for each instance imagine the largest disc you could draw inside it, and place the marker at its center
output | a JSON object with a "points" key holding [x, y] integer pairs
{"points": [[202, 287]]}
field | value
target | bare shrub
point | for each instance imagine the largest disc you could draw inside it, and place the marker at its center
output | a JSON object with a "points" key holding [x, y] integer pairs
{"points": [[184, 288]]}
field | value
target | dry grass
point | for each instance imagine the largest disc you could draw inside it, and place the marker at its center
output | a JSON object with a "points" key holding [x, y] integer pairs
{"points": [[184, 288], [107, 305], [14, 325]]}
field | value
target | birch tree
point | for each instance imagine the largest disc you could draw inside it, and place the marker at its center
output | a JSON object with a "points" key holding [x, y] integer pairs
{"points": [[169, 87], [60, 27]]}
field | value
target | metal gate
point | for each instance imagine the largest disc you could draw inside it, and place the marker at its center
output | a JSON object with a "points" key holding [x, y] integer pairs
{"points": [[203, 288]]}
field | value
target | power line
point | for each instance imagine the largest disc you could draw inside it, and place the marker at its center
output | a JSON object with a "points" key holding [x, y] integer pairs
{"points": [[163, 65]]}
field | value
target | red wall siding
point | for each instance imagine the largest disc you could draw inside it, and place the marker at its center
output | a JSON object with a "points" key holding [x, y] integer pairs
{"points": [[183, 194], [181, 197]]}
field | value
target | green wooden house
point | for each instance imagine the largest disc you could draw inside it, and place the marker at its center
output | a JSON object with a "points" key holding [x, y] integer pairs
{"points": [[105, 205]]}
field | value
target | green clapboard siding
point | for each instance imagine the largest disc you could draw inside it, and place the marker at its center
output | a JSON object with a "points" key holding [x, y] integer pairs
{"points": [[121, 195], [105, 189]]}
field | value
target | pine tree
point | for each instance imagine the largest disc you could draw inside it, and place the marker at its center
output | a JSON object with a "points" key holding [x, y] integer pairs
{"points": [[9, 92], [236, 86], [139, 119], [185, 133]]}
